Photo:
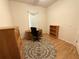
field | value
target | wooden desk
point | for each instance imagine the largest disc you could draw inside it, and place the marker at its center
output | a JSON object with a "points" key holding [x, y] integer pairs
{"points": [[28, 35]]}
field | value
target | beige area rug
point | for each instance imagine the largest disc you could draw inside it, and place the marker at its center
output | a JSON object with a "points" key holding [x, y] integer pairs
{"points": [[42, 49]]}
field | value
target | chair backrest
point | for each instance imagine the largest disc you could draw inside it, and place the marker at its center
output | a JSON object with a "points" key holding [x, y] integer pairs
{"points": [[34, 31]]}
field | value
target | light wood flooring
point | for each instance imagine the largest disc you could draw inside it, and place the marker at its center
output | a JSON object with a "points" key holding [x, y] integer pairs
{"points": [[64, 50]]}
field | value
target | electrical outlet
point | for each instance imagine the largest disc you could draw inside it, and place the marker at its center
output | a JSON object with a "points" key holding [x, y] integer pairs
{"points": [[76, 41]]}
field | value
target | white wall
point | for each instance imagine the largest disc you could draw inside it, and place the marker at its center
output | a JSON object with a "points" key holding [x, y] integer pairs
{"points": [[20, 15], [77, 38], [5, 16], [77, 32], [63, 13]]}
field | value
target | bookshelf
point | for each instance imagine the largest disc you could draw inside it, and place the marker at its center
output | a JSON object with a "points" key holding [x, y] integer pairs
{"points": [[54, 31]]}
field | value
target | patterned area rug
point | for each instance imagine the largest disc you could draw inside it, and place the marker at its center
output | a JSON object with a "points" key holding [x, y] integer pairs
{"points": [[39, 50]]}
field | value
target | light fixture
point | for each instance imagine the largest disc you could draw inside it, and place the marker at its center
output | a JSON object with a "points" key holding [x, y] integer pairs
{"points": [[43, 0]]}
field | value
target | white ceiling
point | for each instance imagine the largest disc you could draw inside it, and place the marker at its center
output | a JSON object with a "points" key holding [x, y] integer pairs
{"points": [[43, 3]]}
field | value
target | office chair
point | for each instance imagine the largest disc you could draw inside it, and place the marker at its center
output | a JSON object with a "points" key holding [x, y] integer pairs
{"points": [[34, 33]]}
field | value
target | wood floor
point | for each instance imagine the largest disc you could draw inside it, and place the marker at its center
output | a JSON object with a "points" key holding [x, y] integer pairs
{"points": [[64, 49]]}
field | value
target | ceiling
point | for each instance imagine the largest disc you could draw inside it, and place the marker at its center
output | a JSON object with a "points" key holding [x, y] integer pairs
{"points": [[43, 3]]}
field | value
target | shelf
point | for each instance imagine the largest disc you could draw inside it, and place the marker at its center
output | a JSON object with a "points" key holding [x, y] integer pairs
{"points": [[53, 30], [53, 33]]}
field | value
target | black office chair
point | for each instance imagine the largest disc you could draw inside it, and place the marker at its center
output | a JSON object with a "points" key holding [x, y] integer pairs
{"points": [[34, 33]]}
